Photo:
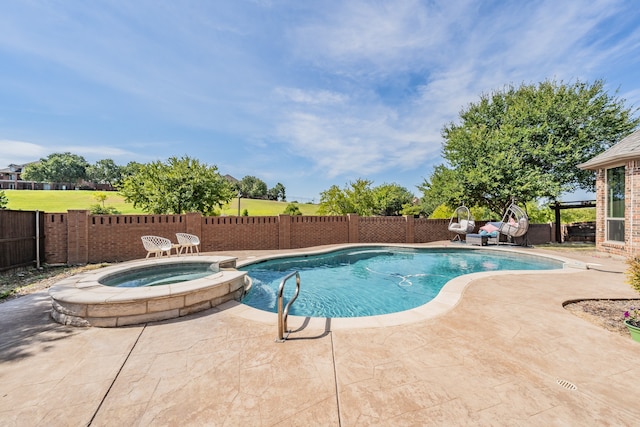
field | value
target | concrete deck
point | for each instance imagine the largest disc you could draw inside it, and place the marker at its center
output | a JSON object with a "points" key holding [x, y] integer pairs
{"points": [[507, 354]]}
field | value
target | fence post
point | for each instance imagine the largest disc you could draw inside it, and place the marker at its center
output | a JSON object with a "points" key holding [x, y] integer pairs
{"points": [[410, 228], [193, 223], [77, 237], [38, 240], [354, 231], [284, 231]]}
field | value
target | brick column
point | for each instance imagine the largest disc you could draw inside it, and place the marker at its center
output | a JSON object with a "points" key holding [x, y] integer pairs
{"points": [[354, 232], [284, 231], [194, 223], [410, 228], [77, 237]]}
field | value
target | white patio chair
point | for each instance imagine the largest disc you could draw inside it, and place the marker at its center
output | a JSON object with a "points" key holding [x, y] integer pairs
{"points": [[158, 246], [187, 242]]}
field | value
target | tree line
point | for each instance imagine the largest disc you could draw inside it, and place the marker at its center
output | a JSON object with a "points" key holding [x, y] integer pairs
{"points": [[176, 186]]}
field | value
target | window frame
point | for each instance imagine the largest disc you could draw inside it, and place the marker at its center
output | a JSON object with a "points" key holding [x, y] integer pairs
{"points": [[613, 216]]}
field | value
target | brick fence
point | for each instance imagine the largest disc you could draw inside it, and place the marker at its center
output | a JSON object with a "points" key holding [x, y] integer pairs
{"points": [[76, 237]]}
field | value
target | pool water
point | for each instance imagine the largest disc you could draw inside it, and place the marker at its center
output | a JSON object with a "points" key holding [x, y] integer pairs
{"points": [[160, 275], [372, 281]]}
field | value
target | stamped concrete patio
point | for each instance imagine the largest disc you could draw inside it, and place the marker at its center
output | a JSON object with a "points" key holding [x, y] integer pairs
{"points": [[507, 354]]}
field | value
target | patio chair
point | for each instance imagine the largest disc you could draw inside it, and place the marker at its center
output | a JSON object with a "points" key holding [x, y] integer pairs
{"points": [[461, 222], [187, 242], [515, 222], [158, 246]]}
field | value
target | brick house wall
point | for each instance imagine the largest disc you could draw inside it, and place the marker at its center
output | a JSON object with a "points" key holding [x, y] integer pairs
{"points": [[631, 245]]}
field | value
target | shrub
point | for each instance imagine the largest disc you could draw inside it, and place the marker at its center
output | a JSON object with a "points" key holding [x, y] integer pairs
{"points": [[633, 273], [98, 209], [292, 209]]}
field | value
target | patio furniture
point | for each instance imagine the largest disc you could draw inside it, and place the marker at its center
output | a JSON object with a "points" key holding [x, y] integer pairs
{"points": [[461, 222], [187, 242], [515, 223], [488, 235], [158, 246], [478, 239]]}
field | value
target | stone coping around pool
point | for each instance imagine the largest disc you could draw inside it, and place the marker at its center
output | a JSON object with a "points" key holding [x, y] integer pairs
{"points": [[81, 300], [447, 298]]}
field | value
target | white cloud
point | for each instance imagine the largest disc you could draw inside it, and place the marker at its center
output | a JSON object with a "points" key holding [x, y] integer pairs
{"points": [[20, 152], [354, 146], [363, 38], [314, 97], [509, 45]]}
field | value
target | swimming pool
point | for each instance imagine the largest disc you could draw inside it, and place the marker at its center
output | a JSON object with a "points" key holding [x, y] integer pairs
{"points": [[369, 281]]}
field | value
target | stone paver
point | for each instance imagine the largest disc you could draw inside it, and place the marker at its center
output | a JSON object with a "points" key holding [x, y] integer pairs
{"points": [[506, 354]]}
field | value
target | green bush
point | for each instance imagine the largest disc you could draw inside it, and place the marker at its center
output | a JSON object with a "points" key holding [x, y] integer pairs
{"points": [[633, 273], [292, 209], [3, 200], [98, 209]]}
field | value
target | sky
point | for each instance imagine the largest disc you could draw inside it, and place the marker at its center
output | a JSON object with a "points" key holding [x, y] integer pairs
{"points": [[309, 94]]}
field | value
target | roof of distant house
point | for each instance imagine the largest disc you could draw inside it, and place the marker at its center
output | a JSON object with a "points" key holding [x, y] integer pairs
{"points": [[13, 168], [628, 148]]}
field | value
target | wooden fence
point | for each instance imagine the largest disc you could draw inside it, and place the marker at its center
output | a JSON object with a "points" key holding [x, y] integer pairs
{"points": [[21, 238]]}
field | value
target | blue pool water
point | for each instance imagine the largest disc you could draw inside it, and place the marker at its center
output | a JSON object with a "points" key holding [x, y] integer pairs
{"points": [[371, 281], [160, 275]]}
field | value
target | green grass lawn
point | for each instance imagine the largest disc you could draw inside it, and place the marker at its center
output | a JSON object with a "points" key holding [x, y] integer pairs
{"points": [[62, 201]]}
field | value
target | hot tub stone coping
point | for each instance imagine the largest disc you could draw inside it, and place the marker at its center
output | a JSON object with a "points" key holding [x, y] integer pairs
{"points": [[82, 300]]}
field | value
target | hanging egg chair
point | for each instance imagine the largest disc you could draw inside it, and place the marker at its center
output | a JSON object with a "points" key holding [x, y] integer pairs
{"points": [[515, 221], [461, 222]]}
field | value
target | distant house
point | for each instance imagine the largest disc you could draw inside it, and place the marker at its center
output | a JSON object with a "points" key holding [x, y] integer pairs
{"points": [[618, 197], [11, 179], [231, 179]]}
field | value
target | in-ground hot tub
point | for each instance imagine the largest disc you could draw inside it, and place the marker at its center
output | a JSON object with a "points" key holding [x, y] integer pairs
{"points": [[106, 297]]}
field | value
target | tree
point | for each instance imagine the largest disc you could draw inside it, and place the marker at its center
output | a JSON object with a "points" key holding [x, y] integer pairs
{"points": [[357, 197], [277, 193], [442, 187], [104, 172], [57, 167], [178, 186], [101, 209], [253, 188], [4, 201], [390, 199], [130, 169], [525, 143], [292, 209], [360, 198], [334, 201]]}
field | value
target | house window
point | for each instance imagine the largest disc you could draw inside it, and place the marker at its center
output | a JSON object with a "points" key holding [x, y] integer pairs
{"points": [[615, 204]]}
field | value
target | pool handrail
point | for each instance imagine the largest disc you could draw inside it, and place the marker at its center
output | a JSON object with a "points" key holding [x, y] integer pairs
{"points": [[283, 314]]}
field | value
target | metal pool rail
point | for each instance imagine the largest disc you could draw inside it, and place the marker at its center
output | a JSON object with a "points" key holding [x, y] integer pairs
{"points": [[284, 314]]}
